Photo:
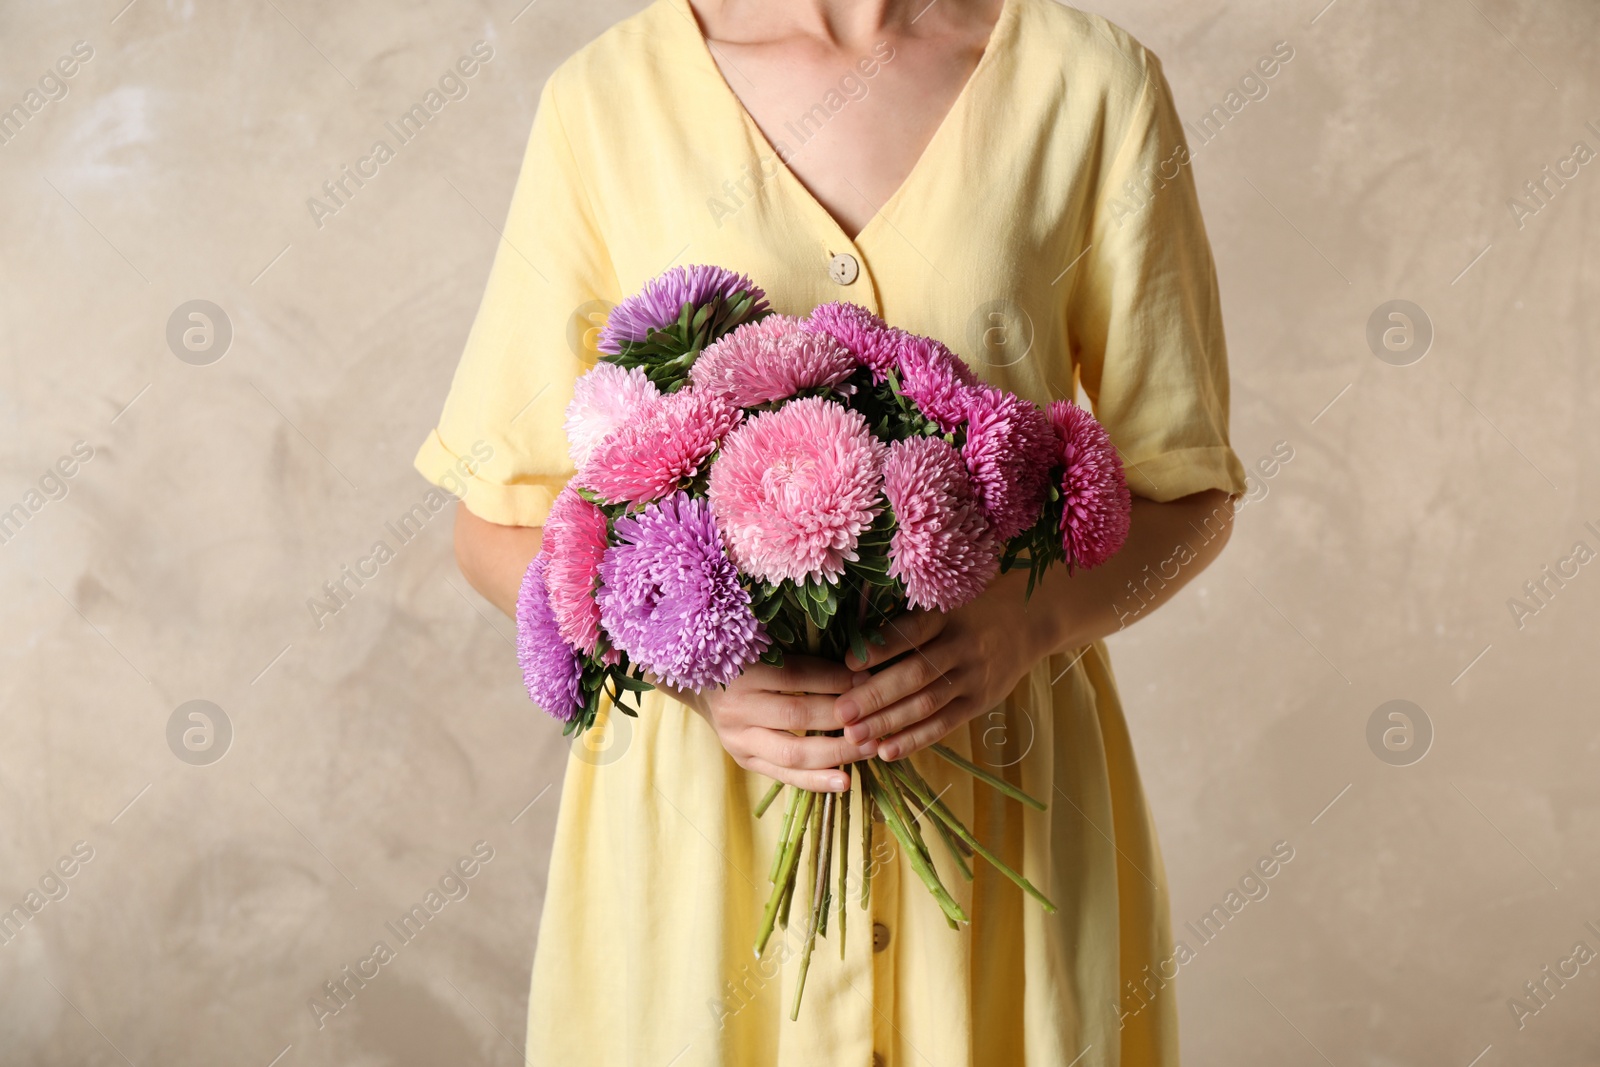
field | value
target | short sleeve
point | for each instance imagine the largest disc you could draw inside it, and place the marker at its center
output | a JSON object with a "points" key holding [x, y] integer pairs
{"points": [[499, 443], [1145, 314]]}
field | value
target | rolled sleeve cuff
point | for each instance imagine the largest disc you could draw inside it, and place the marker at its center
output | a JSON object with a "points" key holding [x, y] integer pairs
{"points": [[525, 504], [1168, 476]]}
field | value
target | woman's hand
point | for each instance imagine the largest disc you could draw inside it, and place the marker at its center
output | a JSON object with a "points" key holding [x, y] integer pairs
{"points": [[955, 667], [951, 668], [761, 717]]}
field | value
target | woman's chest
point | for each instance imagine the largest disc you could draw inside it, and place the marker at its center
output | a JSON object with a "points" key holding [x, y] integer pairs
{"points": [[850, 128]]}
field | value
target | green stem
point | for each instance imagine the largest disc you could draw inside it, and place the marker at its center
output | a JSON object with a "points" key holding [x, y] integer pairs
{"points": [[867, 808], [999, 783], [922, 794], [821, 852], [930, 877], [887, 783], [906, 767], [844, 857], [790, 859], [766, 801], [783, 834], [937, 807]]}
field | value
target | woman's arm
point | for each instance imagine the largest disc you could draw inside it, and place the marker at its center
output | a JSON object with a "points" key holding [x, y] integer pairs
{"points": [[962, 664], [493, 558]]}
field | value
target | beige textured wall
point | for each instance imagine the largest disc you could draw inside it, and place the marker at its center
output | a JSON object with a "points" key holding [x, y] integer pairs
{"points": [[370, 754]]}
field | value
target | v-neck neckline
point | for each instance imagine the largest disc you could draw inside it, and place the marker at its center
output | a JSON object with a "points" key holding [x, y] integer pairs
{"points": [[764, 145]]}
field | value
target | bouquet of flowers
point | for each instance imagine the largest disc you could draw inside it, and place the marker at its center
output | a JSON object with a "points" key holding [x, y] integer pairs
{"points": [[750, 484]]}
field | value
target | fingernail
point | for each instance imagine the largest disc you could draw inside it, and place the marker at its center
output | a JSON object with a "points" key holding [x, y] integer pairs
{"points": [[887, 752], [848, 712], [855, 734], [866, 748], [860, 679], [838, 783]]}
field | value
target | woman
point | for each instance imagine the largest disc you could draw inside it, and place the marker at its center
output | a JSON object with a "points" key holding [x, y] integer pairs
{"points": [[1011, 178]]}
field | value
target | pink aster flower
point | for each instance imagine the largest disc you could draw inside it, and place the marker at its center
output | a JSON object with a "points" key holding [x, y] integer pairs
{"points": [[1097, 506], [793, 489], [602, 400], [943, 548], [650, 456], [575, 541], [873, 342], [935, 379], [1009, 451], [769, 360]]}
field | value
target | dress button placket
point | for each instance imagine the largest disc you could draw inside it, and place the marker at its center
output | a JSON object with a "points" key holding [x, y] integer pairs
{"points": [[884, 905]]}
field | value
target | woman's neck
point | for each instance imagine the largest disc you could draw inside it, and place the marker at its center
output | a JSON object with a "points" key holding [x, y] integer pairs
{"points": [[845, 24]]}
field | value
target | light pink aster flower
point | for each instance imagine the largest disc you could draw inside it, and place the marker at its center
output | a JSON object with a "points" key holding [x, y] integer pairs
{"points": [[575, 541], [664, 446], [873, 342], [1009, 451], [943, 548], [602, 400], [935, 379], [769, 360], [1097, 508], [793, 489]]}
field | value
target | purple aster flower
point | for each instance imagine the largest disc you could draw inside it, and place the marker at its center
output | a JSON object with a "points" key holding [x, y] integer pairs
{"points": [[670, 597], [550, 667], [1010, 449], [661, 301]]}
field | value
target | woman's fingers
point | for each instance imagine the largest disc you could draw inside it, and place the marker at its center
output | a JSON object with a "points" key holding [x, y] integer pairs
{"points": [[782, 749], [922, 668], [901, 634], [928, 731], [800, 674], [903, 714], [832, 781], [794, 712]]}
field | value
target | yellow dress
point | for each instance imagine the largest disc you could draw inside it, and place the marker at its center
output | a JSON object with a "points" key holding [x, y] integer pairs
{"points": [[1051, 235]]}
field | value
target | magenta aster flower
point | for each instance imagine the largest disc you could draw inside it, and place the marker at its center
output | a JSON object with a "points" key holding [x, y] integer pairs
{"points": [[1097, 506], [603, 399], [661, 301], [873, 342], [550, 667], [794, 488], [575, 541], [769, 360], [670, 597], [943, 548], [935, 379], [650, 456], [1009, 451]]}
